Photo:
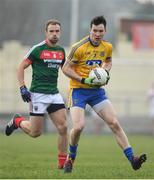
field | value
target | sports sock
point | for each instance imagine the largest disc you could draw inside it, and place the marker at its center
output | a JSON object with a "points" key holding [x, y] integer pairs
{"points": [[129, 153], [18, 121], [61, 160], [72, 151]]}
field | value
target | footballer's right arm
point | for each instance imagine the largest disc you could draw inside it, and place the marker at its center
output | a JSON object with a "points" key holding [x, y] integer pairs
{"points": [[68, 70], [20, 71]]}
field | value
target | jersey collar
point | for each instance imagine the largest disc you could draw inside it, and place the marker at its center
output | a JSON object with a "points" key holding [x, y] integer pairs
{"points": [[95, 45]]}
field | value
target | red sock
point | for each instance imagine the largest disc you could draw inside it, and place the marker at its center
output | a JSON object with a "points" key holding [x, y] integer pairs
{"points": [[61, 160], [18, 121]]}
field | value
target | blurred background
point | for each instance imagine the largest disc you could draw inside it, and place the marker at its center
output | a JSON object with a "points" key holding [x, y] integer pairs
{"points": [[130, 28]]}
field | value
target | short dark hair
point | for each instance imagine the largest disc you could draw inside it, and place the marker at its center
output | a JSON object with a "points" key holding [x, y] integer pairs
{"points": [[98, 20], [53, 22]]}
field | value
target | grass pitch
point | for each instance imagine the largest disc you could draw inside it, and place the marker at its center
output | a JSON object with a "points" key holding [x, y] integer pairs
{"points": [[99, 157]]}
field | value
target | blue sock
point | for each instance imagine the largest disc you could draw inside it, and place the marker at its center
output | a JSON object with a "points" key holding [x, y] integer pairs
{"points": [[129, 153], [72, 151]]}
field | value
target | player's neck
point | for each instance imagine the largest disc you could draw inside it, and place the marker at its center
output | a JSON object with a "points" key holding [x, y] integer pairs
{"points": [[95, 44]]}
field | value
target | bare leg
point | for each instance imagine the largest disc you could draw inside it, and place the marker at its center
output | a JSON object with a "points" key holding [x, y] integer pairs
{"points": [[77, 115], [33, 127], [109, 116], [59, 119]]}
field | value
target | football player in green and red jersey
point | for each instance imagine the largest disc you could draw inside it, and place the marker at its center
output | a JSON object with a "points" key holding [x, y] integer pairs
{"points": [[45, 59]]}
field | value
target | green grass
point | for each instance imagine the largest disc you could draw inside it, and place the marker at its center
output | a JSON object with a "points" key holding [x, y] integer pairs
{"points": [[99, 157]]}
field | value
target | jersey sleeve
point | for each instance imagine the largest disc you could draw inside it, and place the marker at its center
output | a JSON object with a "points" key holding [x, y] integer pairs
{"points": [[64, 59], [74, 55], [30, 56], [109, 53]]}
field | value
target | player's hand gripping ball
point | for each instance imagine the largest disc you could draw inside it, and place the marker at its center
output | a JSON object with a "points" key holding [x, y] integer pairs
{"points": [[100, 75]]}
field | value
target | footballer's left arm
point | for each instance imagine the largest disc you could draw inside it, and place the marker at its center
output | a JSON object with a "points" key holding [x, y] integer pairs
{"points": [[107, 64]]}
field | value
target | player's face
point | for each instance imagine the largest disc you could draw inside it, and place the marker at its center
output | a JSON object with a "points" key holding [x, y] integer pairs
{"points": [[53, 33], [97, 33]]}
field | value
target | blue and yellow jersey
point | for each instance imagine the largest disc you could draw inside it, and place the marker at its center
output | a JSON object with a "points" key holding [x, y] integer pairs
{"points": [[86, 57]]}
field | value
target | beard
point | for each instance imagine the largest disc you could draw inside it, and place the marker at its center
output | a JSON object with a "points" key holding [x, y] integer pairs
{"points": [[54, 40]]}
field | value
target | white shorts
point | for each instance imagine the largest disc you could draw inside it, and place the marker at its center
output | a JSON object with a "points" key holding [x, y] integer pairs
{"points": [[40, 103]]}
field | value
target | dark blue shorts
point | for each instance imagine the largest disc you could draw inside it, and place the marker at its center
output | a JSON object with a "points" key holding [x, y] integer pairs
{"points": [[80, 97]]}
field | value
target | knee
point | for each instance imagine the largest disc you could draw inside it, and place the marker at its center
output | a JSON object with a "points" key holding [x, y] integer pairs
{"points": [[62, 129], [79, 129], [35, 134], [114, 125]]}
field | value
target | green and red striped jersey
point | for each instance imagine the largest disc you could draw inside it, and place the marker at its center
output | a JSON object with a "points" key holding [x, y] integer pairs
{"points": [[45, 62]]}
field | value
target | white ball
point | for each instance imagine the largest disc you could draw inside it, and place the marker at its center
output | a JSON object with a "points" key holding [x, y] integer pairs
{"points": [[99, 75]]}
